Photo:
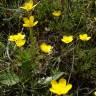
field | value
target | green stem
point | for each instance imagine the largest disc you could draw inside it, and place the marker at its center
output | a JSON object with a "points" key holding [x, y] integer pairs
{"points": [[31, 34], [32, 43]]}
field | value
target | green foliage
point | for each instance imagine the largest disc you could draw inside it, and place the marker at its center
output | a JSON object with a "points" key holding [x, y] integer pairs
{"points": [[8, 78], [27, 71]]}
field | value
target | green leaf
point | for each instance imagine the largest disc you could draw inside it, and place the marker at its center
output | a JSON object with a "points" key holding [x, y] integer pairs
{"points": [[48, 79], [9, 78]]}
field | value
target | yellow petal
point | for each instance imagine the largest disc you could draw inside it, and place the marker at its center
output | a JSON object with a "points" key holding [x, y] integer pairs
{"points": [[57, 13], [26, 25], [35, 23], [31, 18], [32, 23], [20, 43], [67, 88], [21, 36], [83, 36], [11, 38], [31, 2], [28, 5], [29, 22], [62, 82], [26, 21], [88, 38], [53, 83]]}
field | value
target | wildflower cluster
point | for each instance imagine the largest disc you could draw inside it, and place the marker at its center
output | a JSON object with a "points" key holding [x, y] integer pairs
{"points": [[58, 88], [61, 87], [19, 39], [66, 39]]}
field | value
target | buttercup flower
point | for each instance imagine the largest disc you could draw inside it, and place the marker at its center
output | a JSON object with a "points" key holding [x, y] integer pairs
{"points": [[28, 5], [84, 37], [61, 87], [56, 13], [46, 48], [29, 22], [19, 39], [67, 39]]}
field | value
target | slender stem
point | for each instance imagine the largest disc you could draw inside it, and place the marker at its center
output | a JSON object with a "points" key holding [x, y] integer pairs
{"points": [[32, 43], [31, 34], [72, 66]]}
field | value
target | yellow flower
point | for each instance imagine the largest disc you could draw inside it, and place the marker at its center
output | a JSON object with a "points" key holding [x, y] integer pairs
{"points": [[28, 5], [46, 48], [19, 39], [56, 13], [20, 43], [61, 87], [84, 37], [29, 22], [67, 39]]}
